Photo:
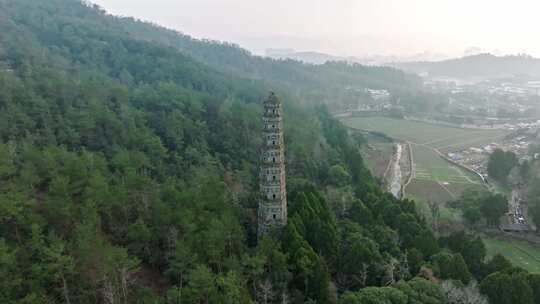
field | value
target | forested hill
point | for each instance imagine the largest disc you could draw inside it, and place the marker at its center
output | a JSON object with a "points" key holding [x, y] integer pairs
{"points": [[330, 83], [478, 66], [286, 72], [128, 174]]}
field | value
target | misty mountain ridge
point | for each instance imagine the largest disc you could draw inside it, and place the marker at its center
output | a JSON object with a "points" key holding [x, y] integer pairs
{"points": [[483, 65], [314, 57], [306, 57]]}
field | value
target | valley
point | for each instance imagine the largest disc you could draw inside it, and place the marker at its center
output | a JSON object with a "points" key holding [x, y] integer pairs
{"points": [[436, 176]]}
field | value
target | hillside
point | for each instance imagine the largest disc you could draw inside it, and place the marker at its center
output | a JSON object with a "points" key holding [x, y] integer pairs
{"points": [[477, 66], [328, 83], [129, 172]]}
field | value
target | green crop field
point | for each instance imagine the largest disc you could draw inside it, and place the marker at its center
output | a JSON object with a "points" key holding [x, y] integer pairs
{"points": [[430, 166], [521, 254], [434, 178], [378, 154], [432, 135]]}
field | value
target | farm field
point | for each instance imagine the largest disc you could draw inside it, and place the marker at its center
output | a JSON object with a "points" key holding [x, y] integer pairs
{"points": [[378, 154], [430, 166], [520, 253], [432, 135], [434, 178]]}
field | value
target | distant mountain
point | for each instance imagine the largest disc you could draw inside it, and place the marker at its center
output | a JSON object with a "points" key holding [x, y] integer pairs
{"points": [[337, 84], [306, 57], [373, 60], [476, 66]]}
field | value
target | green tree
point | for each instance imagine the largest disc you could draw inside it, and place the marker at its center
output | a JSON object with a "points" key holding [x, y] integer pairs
{"points": [[232, 289], [10, 279], [493, 207], [507, 287], [420, 291], [276, 268], [415, 259], [472, 215], [338, 176], [139, 238], [181, 262], [201, 286], [534, 212], [534, 282], [375, 295], [359, 257], [501, 163], [310, 274], [471, 247], [498, 263], [452, 267], [61, 265]]}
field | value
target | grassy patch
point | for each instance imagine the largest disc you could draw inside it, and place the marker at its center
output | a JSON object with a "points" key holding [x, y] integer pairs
{"points": [[377, 154], [428, 191], [433, 135], [430, 166], [521, 254]]}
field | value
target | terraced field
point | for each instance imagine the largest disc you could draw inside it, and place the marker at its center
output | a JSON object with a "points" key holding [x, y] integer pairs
{"points": [[430, 166], [434, 178]]}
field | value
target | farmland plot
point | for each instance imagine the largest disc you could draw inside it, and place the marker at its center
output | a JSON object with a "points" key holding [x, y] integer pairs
{"points": [[434, 178]]}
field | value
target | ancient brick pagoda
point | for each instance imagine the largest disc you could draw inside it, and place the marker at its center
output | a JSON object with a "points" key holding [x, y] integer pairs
{"points": [[272, 212]]}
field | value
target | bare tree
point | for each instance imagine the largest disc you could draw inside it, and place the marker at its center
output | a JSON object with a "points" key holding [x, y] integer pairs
{"points": [[285, 298], [469, 294], [265, 292], [390, 268]]}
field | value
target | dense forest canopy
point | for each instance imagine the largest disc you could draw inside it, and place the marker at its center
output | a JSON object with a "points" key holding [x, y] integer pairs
{"points": [[333, 83], [128, 174]]}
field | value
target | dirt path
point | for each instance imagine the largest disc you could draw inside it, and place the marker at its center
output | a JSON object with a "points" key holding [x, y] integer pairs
{"points": [[447, 190], [412, 165], [396, 183]]}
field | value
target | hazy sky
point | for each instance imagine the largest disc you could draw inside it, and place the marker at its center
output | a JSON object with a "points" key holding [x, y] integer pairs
{"points": [[350, 27]]}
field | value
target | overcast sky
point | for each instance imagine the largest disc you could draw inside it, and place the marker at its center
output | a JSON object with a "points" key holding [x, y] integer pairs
{"points": [[350, 27]]}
